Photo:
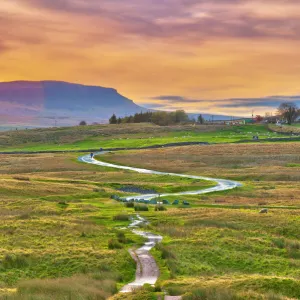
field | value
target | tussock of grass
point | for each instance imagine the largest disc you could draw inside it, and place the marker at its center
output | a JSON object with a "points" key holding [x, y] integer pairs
{"points": [[77, 288], [141, 207], [121, 217]]}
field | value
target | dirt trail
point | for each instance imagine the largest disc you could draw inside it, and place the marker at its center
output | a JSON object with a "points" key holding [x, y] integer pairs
{"points": [[221, 184], [147, 269]]}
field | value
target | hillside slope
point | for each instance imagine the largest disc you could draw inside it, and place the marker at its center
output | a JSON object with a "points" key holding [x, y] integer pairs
{"points": [[41, 102]]}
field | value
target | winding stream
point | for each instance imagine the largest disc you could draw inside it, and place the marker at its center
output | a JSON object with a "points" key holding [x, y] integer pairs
{"points": [[147, 269]]}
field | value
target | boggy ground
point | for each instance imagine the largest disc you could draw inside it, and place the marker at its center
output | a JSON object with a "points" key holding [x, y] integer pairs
{"points": [[222, 247]]}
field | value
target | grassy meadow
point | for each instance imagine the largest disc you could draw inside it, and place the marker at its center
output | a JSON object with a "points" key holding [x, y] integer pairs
{"points": [[222, 247], [62, 238], [60, 231], [125, 135]]}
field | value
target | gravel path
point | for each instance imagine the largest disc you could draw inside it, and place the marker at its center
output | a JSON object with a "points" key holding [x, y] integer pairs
{"points": [[221, 184], [147, 269]]}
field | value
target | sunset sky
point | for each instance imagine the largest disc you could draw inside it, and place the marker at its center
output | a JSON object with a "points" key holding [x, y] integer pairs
{"points": [[214, 56]]}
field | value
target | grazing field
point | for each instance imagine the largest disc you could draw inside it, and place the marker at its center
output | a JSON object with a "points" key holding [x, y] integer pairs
{"points": [[61, 234], [59, 230], [286, 129], [125, 135], [222, 247]]}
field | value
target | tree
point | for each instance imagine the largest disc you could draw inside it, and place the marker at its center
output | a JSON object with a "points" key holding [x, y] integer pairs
{"points": [[288, 111], [82, 123], [200, 119], [181, 116], [113, 119]]}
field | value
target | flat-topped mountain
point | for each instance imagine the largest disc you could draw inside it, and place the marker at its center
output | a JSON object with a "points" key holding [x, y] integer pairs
{"points": [[43, 101], [48, 103]]}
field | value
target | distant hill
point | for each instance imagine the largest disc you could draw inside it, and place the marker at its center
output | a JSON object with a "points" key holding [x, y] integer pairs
{"points": [[48, 103], [41, 103]]}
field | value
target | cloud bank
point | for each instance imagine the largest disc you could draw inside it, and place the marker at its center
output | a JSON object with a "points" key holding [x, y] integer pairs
{"points": [[217, 49]]}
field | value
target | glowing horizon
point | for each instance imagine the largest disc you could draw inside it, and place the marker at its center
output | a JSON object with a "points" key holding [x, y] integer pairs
{"points": [[220, 56]]}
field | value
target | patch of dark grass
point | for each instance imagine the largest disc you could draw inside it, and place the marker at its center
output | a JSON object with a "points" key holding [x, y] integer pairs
{"points": [[114, 244], [121, 217], [15, 261], [21, 178], [129, 204], [141, 207], [160, 208]]}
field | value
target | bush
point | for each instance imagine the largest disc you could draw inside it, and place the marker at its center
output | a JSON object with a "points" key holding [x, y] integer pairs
{"points": [[121, 218], [165, 252], [121, 237], [160, 208], [114, 244], [129, 204], [11, 261], [141, 207]]}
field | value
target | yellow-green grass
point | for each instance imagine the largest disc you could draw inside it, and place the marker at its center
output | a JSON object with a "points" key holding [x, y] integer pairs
{"points": [[286, 129], [57, 219], [264, 170], [222, 247], [125, 135], [237, 250]]}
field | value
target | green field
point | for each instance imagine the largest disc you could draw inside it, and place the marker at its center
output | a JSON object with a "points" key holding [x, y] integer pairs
{"points": [[61, 235], [125, 135], [222, 248]]}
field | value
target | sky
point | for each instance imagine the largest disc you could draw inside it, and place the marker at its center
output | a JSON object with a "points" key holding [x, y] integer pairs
{"points": [[214, 56]]}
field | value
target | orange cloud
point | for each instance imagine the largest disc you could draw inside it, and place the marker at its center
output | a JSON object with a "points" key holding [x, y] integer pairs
{"points": [[198, 49]]}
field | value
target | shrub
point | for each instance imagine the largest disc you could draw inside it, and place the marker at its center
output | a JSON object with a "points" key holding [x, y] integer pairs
{"points": [[141, 207], [11, 261], [121, 237], [129, 204], [165, 252], [121, 217], [160, 208], [114, 244]]}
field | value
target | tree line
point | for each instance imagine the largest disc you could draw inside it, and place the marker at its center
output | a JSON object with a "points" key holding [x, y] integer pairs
{"points": [[161, 118]]}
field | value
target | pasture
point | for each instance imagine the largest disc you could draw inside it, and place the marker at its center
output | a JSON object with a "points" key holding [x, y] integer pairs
{"points": [[126, 135], [60, 231], [222, 247]]}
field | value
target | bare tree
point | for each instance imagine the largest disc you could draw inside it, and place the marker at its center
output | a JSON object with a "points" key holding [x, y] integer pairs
{"points": [[288, 111]]}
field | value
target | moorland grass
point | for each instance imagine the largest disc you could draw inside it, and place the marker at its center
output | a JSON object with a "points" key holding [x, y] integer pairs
{"points": [[218, 249], [125, 135], [58, 225]]}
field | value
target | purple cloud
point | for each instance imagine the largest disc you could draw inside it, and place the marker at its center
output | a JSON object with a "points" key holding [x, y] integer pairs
{"points": [[272, 101], [187, 19]]}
